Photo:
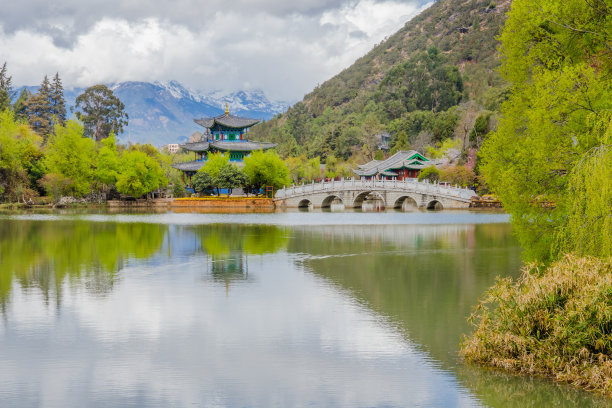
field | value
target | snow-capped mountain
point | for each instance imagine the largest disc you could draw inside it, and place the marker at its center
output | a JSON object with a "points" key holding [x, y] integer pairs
{"points": [[163, 112]]}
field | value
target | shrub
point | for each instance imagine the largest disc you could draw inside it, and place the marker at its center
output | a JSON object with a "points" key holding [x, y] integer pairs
{"points": [[556, 323], [429, 173]]}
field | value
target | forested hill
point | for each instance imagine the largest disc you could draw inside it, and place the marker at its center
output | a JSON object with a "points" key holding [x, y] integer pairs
{"points": [[428, 82]]}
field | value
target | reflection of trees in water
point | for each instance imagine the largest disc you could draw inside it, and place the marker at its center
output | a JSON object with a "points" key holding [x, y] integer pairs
{"points": [[44, 254], [426, 279], [228, 247]]}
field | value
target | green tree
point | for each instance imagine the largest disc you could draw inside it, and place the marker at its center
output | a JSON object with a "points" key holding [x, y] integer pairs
{"points": [[21, 105], [203, 182], [557, 56], [39, 110], [312, 169], [460, 175], [101, 112], [400, 142], [6, 89], [107, 168], [19, 158], [72, 158], [266, 169], [429, 173], [215, 162], [213, 165], [56, 98], [230, 177], [139, 174]]}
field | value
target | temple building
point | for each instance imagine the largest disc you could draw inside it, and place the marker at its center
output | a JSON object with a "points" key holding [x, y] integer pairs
{"points": [[224, 133], [405, 164]]}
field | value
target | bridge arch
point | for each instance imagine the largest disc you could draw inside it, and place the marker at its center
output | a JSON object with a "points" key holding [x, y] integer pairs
{"points": [[358, 201], [305, 204], [329, 200], [405, 200], [434, 205]]}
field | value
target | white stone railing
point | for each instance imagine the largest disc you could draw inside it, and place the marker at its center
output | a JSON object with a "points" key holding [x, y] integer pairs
{"points": [[407, 185]]}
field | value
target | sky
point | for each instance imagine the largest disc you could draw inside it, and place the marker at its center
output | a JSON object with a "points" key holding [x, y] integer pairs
{"points": [[283, 47]]}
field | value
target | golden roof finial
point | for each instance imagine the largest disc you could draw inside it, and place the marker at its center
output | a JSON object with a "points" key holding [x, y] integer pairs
{"points": [[226, 109]]}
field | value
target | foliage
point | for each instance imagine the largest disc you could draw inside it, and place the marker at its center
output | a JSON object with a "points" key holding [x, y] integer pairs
{"points": [[69, 155], [139, 174], [429, 173], [379, 155], [230, 177], [21, 105], [20, 158], [558, 58], [101, 112], [178, 189], [554, 323], [6, 89], [400, 143], [461, 175], [39, 110], [588, 226], [203, 182], [410, 82], [56, 185], [266, 169], [107, 169], [480, 129], [443, 148], [57, 102], [215, 162]]}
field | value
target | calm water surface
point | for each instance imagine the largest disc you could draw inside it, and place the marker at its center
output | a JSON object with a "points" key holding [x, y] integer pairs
{"points": [[262, 310]]}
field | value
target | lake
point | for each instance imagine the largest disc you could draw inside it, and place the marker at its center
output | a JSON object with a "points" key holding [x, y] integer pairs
{"points": [[291, 309]]}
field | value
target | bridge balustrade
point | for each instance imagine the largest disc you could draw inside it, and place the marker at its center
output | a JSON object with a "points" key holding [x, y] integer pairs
{"points": [[352, 184]]}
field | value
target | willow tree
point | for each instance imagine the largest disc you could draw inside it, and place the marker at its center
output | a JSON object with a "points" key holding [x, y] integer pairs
{"points": [[557, 55]]}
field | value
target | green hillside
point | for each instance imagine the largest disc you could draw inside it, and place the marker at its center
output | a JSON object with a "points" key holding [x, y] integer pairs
{"points": [[434, 79]]}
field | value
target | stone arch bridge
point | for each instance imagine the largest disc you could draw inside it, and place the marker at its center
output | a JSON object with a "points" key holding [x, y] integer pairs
{"points": [[388, 193]]}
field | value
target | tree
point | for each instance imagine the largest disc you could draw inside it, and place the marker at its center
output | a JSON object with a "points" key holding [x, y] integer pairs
{"points": [[6, 89], [266, 169], [21, 105], [101, 112], [57, 102], [72, 158], [19, 158], [429, 173], [400, 143], [557, 56], [39, 110], [139, 174], [213, 165], [460, 175], [231, 177], [203, 182], [107, 169]]}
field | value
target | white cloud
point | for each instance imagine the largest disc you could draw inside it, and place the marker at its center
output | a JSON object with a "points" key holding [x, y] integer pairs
{"points": [[286, 52]]}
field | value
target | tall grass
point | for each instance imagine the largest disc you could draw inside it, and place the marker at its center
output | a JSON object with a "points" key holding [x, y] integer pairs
{"points": [[555, 322]]}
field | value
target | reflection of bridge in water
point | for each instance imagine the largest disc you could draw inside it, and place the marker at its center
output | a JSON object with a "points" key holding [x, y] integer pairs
{"points": [[391, 193]]}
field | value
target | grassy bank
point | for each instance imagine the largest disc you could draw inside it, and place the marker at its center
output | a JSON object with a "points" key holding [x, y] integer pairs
{"points": [[555, 323]]}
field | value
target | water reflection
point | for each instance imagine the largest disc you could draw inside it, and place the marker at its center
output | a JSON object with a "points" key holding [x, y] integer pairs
{"points": [[44, 255], [330, 315], [229, 245]]}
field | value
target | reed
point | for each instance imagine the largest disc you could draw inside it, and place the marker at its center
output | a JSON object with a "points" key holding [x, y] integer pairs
{"points": [[555, 322]]}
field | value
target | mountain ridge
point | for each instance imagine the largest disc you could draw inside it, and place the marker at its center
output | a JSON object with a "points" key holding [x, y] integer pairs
{"points": [[379, 93], [163, 112]]}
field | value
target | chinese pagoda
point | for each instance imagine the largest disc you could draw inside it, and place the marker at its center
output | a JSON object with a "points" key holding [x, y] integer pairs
{"points": [[224, 133], [404, 164]]}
